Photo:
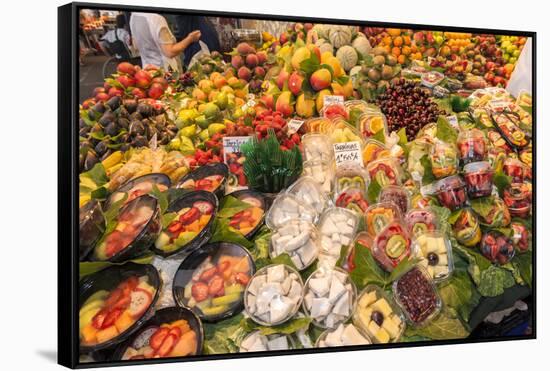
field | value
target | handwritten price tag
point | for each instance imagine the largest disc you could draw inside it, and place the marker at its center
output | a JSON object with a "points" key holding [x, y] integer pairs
{"points": [[453, 120], [348, 152], [294, 125], [233, 145], [329, 100]]}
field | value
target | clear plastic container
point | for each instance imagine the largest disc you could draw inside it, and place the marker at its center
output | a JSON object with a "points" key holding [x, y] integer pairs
{"points": [[265, 284], [451, 192], [374, 150], [351, 175], [342, 132], [497, 247], [352, 198], [435, 253], [317, 147], [359, 338], [472, 146], [417, 150], [329, 297], [379, 316], [256, 342], [337, 228], [521, 237], [432, 78], [309, 192], [518, 198], [319, 125], [414, 291], [334, 110], [515, 169], [466, 227], [498, 214], [385, 171], [364, 241], [391, 246], [322, 172], [479, 179], [380, 215], [288, 207], [371, 123], [397, 195], [421, 221], [496, 157], [299, 239], [444, 158]]}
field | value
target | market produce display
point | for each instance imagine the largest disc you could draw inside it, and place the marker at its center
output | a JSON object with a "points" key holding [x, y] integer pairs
{"points": [[331, 186]]}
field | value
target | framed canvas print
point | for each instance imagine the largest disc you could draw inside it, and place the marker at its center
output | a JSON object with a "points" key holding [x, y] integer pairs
{"points": [[242, 185]]}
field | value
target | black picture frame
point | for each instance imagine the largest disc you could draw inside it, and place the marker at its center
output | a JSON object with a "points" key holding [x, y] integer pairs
{"points": [[68, 93]]}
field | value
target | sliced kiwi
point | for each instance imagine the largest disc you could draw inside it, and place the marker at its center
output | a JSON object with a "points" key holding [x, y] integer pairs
{"points": [[395, 247], [382, 178], [420, 228]]}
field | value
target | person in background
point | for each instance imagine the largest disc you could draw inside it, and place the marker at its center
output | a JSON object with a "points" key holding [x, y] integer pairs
{"points": [[156, 43], [186, 24], [119, 39]]}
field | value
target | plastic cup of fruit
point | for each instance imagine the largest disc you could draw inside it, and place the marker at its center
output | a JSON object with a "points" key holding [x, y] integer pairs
{"points": [[479, 179], [415, 293], [264, 272], [343, 132], [287, 207], [466, 228], [310, 193], [432, 78], [317, 147], [352, 198], [521, 238], [420, 221], [385, 171], [497, 215], [496, 157], [391, 246], [396, 194], [380, 215], [357, 104], [209, 177], [350, 175], [257, 342], [444, 158], [371, 123], [138, 187], [319, 125], [322, 172], [359, 337], [349, 287], [451, 192], [518, 198], [472, 146], [374, 150], [435, 253], [496, 247], [515, 169], [296, 245], [362, 241], [379, 316]]}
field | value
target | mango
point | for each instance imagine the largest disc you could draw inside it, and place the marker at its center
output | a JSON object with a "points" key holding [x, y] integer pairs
{"points": [[300, 55], [305, 107], [284, 103], [320, 79]]}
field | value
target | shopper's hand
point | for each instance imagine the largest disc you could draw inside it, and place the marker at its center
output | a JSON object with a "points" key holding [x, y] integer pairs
{"points": [[194, 36]]}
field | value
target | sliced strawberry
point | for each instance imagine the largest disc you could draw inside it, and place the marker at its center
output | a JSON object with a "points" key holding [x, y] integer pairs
{"points": [[242, 278], [140, 300], [199, 291], [111, 318], [99, 319], [175, 331], [167, 345], [215, 287], [123, 302], [158, 337], [114, 297], [207, 274], [174, 227], [190, 216]]}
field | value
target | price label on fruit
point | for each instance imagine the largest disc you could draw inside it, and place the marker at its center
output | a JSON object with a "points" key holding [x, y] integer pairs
{"points": [[232, 145], [329, 100], [294, 125], [453, 120], [348, 152]]}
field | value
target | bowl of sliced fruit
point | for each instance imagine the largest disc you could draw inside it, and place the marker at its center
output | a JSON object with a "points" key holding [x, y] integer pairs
{"points": [[186, 224], [172, 332], [211, 281], [209, 177], [114, 303]]}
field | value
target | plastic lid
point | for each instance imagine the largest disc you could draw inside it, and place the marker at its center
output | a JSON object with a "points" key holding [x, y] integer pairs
{"points": [[288, 207], [481, 166]]}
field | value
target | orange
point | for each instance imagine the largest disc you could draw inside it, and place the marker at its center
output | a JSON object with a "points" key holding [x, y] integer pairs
{"points": [[407, 40], [388, 49], [406, 50], [401, 59], [414, 49], [396, 51], [398, 41], [386, 40], [393, 31]]}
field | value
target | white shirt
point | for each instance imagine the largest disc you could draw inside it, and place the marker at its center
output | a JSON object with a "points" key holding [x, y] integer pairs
{"points": [[149, 32], [122, 34]]}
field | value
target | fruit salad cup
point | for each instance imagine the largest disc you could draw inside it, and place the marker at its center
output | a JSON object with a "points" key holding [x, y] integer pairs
{"points": [[521, 237], [385, 171], [515, 169], [317, 147], [479, 179], [518, 198], [444, 158], [433, 249], [322, 171], [466, 227], [379, 215], [397, 195], [351, 175], [495, 214], [420, 221], [496, 157], [451, 192], [374, 150], [319, 125], [496, 247], [371, 123], [391, 246], [352, 198], [472, 146]]}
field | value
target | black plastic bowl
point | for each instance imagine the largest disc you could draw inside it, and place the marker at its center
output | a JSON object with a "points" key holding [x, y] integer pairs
{"points": [[263, 205], [145, 238], [205, 171], [91, 227], [162, 316], [108, 279], [156, 178], [185, 271], [203, 236]]}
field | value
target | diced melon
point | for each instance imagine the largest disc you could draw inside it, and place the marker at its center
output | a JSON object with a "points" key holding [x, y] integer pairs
{"points": [[86, 317], [182, 324], [187, 291], [226, 299], [98, 303], [107, 334], [89, 334], [367, 299], [124, 321], [383, 336], [214, 311], [391, 325], [187, 345], [98, 295], [203, 220], [234, 289], [242, 265]]}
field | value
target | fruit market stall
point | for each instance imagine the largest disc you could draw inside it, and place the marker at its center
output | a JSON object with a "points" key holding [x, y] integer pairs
{"points": [[329, 186]]}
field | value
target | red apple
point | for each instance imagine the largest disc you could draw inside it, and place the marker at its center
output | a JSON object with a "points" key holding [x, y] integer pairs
{"points": [[155, 91], [126, 67]]}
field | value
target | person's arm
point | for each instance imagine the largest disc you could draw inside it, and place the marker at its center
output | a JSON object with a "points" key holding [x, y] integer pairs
{"points": [[171, 50]]}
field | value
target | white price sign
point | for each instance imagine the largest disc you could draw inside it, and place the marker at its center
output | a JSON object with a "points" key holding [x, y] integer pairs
{"points": [[348, 152], [233, 145], [329, 100], [453, 120], [294, 125]]}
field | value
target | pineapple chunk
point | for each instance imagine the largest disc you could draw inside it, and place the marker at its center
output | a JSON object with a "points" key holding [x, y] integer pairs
{"points": [[367, 299], [391, 325], [373, 327], [382, 336], [383, 307]]}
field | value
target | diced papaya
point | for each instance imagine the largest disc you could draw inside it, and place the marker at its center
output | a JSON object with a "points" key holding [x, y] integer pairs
{"points": [[245, 224], [124, 322], [203, 220], [107, 334], [193, 227], [242, 266], [89, 334], [187, 345], [257, 214]]}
